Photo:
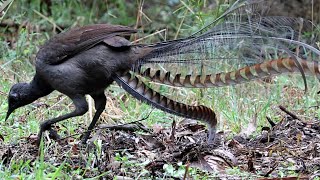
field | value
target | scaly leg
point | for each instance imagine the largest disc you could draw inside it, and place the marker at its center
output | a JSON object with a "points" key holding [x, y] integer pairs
{"points": [[100, 103], [81, 107]]}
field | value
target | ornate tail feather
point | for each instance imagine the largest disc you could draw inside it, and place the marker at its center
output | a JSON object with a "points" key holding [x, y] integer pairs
{"points": [[198, 61], [249, 73], [134, 86]]}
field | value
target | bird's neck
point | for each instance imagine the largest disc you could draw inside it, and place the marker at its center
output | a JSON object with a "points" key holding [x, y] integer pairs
{"points": [[38, 88]]}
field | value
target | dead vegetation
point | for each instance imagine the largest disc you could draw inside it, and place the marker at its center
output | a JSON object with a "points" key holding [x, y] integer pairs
{"points": [[291, 146]]}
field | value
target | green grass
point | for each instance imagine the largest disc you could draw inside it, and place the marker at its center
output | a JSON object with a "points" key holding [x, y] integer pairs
{"points": [[236, 106]]}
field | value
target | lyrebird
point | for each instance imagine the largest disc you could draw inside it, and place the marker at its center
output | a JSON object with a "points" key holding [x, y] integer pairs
{"points": [[243, 46]]}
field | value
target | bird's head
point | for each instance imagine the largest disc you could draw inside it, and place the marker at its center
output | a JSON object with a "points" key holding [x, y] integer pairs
{"points": [[18, 96]]}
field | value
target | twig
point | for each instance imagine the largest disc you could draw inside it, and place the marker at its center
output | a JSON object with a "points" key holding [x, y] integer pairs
{"points": [[115, 127], [25, 24], [275, 165], [289, 113], [55, 26], [180, 25], [127, 127], [197, 16], [6, 5], [173, 130], [270, 121], [145, 37], [185, 176]]}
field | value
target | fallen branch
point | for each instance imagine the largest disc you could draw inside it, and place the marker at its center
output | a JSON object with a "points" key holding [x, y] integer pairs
{"points": [[289, 113]]}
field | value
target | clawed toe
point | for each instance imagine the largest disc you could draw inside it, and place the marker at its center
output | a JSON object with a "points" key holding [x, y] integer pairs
{"points": [[52, 133]]}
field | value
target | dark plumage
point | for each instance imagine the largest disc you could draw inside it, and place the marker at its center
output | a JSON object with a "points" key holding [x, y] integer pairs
{"points": [[78, 62]]}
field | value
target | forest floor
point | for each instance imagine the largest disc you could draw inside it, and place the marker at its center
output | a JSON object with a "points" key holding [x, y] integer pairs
{"points": [[289, 148]]}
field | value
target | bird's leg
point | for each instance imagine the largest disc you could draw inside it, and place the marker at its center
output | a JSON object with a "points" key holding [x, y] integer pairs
{"points": [[81, 107], [100, 103]]}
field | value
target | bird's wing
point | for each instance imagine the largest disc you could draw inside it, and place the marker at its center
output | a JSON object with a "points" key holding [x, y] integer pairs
{"points": [[76, 40]]}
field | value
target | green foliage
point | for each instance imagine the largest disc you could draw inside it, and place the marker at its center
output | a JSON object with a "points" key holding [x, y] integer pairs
{"points": [[239, 173], [173, 172]]}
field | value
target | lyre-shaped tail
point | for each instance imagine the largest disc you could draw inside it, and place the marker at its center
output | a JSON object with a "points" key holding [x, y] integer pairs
{"points": [[138, 89], [249, 73]]}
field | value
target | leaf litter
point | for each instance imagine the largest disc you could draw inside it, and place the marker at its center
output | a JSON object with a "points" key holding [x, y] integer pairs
{"points": [[290, 147]]}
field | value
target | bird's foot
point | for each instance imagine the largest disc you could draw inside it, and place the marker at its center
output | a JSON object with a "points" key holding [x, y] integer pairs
{"points": [[52, 133], [85, 137]]}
